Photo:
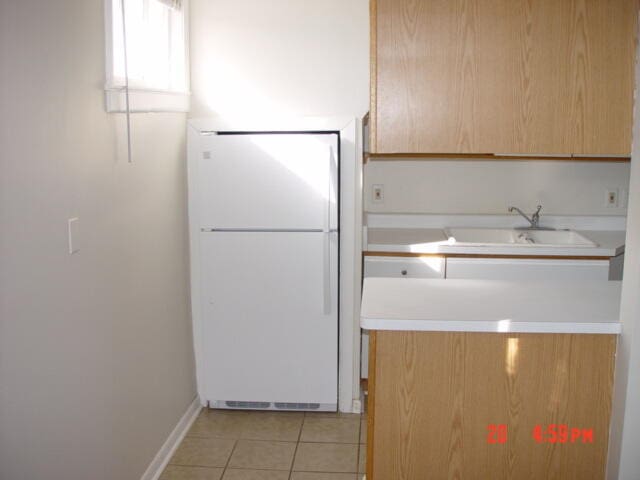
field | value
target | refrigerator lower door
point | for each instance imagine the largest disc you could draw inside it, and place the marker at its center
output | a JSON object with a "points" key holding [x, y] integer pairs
{"points": [[270, 320]]}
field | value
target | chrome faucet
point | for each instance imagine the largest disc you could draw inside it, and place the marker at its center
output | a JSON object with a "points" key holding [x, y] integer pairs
{"points": [[535, 217]]}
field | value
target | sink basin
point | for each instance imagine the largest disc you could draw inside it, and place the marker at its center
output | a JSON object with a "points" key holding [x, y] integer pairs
{"points": [[511, 237], [559, 237], [481, 236]]}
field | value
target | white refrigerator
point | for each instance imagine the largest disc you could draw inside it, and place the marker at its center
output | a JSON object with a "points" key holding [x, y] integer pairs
{"points": [[268, 215]]}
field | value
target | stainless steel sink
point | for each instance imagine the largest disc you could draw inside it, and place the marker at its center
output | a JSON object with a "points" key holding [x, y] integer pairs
{"points": [[513, 237]]}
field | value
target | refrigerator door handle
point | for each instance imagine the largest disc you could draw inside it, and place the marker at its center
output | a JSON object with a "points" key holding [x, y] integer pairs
{"points": [[326, 274], [327, 212], [326, 260]]}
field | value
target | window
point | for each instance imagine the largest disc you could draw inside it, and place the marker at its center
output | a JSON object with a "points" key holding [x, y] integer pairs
{"points": [[154, 63]]}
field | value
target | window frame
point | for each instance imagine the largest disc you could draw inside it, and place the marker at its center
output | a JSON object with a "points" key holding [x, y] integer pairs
{"points": [[143, 99]]}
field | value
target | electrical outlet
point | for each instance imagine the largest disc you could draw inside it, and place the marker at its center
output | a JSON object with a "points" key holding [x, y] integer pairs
{"points": [[378, 194], [611, 198]]}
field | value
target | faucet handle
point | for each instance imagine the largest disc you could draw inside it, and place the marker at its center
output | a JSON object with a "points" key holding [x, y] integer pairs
{"points": [[535, 218]]}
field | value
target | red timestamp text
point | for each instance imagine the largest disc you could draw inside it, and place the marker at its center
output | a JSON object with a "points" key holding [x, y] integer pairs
{"points": [[552, 433], [561, 433], [497, 433]]}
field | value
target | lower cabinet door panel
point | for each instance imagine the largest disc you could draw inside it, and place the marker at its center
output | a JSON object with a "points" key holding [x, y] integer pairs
{"points": [[489, 405], [515, 269]]}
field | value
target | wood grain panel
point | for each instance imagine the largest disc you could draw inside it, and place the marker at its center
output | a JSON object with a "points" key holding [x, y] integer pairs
{"points": [[601, 81], [503, 79], [437, 392], [424, 60], [503, 76], [371, 404], [372, 116]]}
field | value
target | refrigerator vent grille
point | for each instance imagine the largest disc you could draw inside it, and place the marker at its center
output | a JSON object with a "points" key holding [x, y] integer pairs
{"points": [[297, 406], [241, 404], [249, 405]]}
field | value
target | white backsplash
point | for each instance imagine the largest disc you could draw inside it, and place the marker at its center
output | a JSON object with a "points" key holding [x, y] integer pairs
{"points": [[488, 187]]}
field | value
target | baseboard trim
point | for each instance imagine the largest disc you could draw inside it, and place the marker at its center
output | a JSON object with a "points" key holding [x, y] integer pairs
{"points": [[155, 468]]}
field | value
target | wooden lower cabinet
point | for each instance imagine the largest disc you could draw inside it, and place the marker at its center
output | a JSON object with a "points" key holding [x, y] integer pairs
{"points": [[452, 405]]}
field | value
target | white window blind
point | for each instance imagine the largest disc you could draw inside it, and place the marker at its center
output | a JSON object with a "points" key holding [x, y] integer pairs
{"points": [[174, 4], [156, 60]]}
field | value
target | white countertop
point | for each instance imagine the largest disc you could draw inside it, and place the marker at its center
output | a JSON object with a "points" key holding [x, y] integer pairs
{"points": [[490, 306], [433, 240]]}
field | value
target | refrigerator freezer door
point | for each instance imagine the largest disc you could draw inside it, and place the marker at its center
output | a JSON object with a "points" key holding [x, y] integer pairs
{"points": [[270, 312], [268, 181]]}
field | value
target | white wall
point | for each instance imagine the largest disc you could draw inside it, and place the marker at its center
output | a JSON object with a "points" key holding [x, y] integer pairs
{"points": [[624, 461], [96, 360], [489, 187], [279, 57]]}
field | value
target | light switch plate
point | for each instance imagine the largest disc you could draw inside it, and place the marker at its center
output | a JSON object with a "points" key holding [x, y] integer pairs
{"points": [[74, 235]]}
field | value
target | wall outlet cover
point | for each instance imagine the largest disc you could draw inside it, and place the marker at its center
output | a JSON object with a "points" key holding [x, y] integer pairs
{"points": [[377, 193]]}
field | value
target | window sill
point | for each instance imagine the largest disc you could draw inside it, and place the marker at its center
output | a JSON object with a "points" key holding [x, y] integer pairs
{"points": [[145, 100]]}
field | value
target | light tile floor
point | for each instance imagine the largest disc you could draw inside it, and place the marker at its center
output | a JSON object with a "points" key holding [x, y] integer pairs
{"points": [[241, 445]]}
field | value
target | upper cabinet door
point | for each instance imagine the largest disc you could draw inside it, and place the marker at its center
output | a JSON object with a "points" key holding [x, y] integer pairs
{"points": [[502, 76]]}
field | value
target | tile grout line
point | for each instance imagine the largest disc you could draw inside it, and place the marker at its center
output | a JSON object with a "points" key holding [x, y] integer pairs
{"points": [[295, 452], [233, 449]]}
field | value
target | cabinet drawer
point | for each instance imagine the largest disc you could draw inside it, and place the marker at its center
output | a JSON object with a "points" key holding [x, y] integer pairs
{"points": [[420, 267], [514, 269]]}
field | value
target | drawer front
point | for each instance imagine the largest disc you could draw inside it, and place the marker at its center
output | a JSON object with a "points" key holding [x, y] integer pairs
{"points": [[513, 269], [398, 267]]}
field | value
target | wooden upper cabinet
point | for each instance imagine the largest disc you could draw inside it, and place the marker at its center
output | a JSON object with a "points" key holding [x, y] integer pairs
{"points": [[502, 76]]}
